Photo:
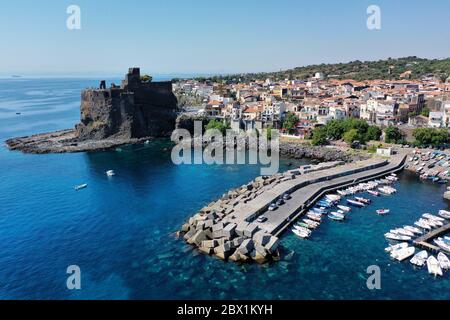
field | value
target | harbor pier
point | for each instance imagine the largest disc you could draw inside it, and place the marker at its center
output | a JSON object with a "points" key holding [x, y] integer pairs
{"points": [[232, 226], [423, 242]]}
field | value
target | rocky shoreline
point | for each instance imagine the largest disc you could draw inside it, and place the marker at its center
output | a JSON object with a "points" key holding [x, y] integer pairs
{"points": [[66, 141]]}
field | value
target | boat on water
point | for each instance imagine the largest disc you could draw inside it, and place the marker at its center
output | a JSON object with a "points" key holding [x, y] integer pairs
{"points": [[434, 223], [314, 217], [374, 193], [355, 203], [444, 245], [81, 186], [336, 216], [110, 173], [420, 258], [403, 254], [444, 262], [383, 211], [301, 234], [396, 247], [363, 200], [397, 237], [434, 267], [333, 197], [413, 229], [320, 210], [444, 214], [433, 217], [302, 224], [422, 225], [402, 232], [344, 208], [312, 224]]}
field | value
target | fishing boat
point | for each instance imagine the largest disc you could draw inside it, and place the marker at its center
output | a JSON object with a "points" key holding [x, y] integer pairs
{"points": [[313, 217], [363, 200], [413, 229], [81, 186], [383, 211], [420, 258], [433, 266], [374, 193], [336, 216], [397, 237], [433, 217], [396, 247], [110, 173], [303, 235], [444, 262], [444, 214], [344, 208], [355, 203], [403, 254], [311, 224]]}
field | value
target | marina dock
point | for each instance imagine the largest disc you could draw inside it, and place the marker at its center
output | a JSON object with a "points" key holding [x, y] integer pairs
{"points": [[424, 241]]}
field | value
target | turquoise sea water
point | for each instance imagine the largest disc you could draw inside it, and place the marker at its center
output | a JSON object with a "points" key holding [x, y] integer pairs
{"points": [[120, 230]]}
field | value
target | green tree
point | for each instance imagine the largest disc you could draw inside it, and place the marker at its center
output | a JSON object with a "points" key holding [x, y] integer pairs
{"points": [[373, 133], [430, 136], [351, 136], [219, 125], [335, 129], [425, 112], [393, 134], [290, 122], [319, 136]]}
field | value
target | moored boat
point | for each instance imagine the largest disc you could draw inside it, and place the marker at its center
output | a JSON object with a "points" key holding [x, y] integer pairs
{"points": [[397, 237], [383, 211], [444, 214], [396, 247], [420, 258], [444, 262], [433, 266], [355, 203], [336, 216], [344, 208], [374, 193], [403, 254]]}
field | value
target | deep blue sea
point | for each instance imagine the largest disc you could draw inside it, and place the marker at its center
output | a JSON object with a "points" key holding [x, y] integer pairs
{"points": [[119, 230]]}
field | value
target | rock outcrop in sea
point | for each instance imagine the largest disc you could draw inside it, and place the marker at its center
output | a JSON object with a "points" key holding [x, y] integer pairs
{"points": [[130, 113]]}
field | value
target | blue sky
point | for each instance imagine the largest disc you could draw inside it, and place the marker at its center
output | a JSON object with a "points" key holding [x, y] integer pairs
{"points": [[199, 36]]}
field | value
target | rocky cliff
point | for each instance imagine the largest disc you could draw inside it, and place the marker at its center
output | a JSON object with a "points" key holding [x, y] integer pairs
{"points": [[130, 113]]}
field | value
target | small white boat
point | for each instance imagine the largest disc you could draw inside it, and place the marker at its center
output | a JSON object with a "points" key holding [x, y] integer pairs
{"points": [[420, 258], [374, 193], [383, 211], [433, 217], [110, 173], [402, 231], [442, 244], [355, 203], [413, 229], [344, 208], [301, 234], [444, 214], [396, 247], [422, 225], [397, 237], [81, 186], [444, 262], [433, 266], [403, 254]]}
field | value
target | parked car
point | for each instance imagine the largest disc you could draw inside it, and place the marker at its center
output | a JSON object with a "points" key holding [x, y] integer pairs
{"points": [[280, 202], [261, 219], [286, 196], [273, 207]]}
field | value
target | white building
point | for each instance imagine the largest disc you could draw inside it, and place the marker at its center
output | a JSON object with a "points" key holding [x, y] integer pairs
{"points": [[435, 119]]}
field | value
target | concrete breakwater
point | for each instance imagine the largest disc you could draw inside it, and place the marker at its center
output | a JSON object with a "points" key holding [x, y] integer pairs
{"points": [[230, 228]]}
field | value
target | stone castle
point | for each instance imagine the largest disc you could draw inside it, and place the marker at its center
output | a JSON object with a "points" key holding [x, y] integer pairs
{"points": [[135, 109]]}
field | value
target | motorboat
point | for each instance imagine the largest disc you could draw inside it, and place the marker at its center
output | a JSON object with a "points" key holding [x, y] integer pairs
{"points": [[314, 218], [433, 266], [397, 237], [81, 186], [442, 244], [403, 254], [363, 200], [344, 208], [433, 217], [355, 203], [413, 229], [110, 173], [420, 258], [422, 225], [303, 235], [336, 216], [403, 232], [374, 193], [383, 211], [444, 214], [444, 262], [396, 247], [311, 224], [320, 210]]}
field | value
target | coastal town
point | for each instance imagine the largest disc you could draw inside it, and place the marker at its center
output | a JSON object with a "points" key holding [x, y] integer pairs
{"points": [[405, 103]]}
